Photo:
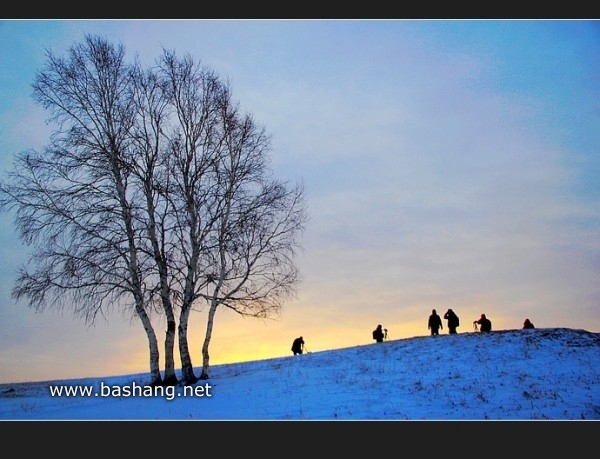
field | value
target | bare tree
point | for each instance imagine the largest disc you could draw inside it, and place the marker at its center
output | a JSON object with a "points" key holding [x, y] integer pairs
{"points": [[74, 201], [238, 228], [194, 93], [150, 165], [256, 234], [154, 195]]}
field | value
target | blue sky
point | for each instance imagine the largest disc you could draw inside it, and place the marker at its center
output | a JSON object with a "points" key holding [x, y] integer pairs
{"points": [[446, 163]]}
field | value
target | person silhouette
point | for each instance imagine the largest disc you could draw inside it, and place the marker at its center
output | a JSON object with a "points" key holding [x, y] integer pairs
{"points": [[298, 345], [453, 321], [485, 324], [378, 334], [434, 323], [528, 324]]}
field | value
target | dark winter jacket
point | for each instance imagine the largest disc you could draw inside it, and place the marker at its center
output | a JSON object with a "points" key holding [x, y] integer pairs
{"points": [[435, 322], [527, 324], [452, 319], [485, 325], [298, 345], [378, 334]]}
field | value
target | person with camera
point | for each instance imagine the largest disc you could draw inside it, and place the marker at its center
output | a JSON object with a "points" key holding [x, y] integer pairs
{"points": [[452, 319], [298, 346], [378, 334], [485, 324]]}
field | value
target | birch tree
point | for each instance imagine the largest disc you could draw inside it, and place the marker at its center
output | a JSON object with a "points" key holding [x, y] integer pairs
{"points": [[250, 257], [238, 227], [150, 165], [154, 196], [74, 201], [194, 94]]}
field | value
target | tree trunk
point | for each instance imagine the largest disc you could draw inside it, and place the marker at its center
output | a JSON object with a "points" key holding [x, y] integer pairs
{"points": [[187, 369], [170, 378], [209, 327], [155, 378]]}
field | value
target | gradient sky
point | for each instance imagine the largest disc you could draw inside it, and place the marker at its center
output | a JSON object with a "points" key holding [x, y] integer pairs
{"points": [[446, 163]]}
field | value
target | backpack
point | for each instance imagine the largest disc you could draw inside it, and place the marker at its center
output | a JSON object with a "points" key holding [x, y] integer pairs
{"points": [[374, 333], [457, 321]]}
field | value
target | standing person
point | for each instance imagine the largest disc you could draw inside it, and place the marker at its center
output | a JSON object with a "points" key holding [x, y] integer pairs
{"points": [[298, 345], [435, 323], [527, 324], [378, 334], [453, 321], [485, 324]]}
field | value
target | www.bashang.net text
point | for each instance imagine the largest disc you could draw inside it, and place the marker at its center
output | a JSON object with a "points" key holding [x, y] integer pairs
{"points": [[131, 390]]}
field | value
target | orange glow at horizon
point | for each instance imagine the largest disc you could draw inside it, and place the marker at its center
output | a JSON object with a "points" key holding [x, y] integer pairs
{"points": [[237, 339]]}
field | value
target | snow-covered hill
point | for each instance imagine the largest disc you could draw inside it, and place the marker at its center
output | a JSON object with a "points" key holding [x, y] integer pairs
{"points": [[540, 374]]}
